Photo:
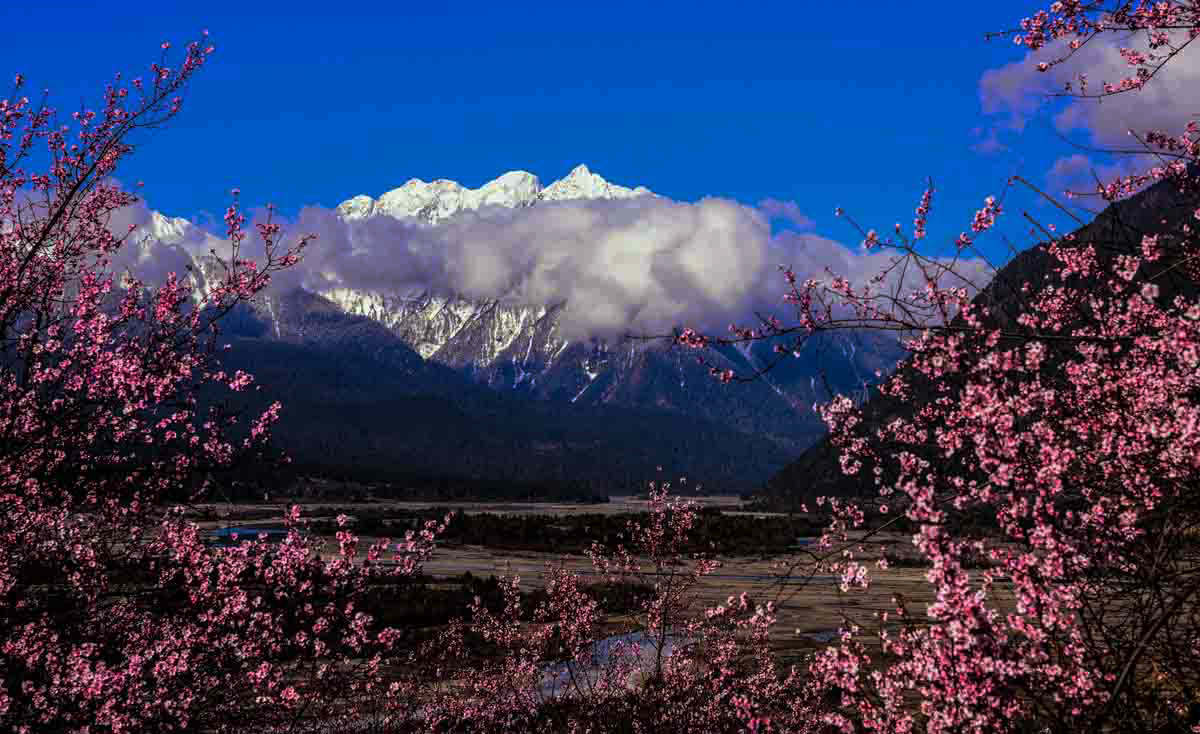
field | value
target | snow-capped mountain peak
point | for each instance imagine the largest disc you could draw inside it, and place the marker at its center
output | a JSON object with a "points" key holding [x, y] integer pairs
{"points": [[515, 188], [437, 200], [458, 331], [167, 230], [581, 183], [359, 207]]}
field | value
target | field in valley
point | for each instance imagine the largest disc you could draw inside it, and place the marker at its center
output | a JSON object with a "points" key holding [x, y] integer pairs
{"points": [[810, 609]]}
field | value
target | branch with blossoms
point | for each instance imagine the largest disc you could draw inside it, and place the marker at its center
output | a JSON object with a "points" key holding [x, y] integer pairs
{"points": [[1077, 23], [677, 666], [833, 305]]}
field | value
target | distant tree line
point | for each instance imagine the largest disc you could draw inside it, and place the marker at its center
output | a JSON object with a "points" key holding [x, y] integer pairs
{"points": [[715, 532]]}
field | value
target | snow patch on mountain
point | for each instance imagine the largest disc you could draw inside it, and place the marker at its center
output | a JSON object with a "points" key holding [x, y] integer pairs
{"points": [[425, 321]]}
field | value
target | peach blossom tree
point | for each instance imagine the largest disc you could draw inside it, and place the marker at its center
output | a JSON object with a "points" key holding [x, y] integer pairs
{"points": [[1042, 439], [115, 614]]}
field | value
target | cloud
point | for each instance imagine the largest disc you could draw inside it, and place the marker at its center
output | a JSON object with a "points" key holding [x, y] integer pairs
{"points": [[813, 256], [645, 265], [1017, 92], [151, 252], [641, 265], [1076, 172], [789, 210], [645, 262]]}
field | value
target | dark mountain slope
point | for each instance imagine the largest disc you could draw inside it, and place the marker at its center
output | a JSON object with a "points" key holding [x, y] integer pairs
{"points": [[359, 403], [1160, 209]]}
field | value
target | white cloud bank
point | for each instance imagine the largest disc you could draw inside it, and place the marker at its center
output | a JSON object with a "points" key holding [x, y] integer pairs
{"points": [[641, 265]]}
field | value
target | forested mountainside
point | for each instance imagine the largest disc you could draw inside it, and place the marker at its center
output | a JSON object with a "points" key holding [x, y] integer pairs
{"points": [[358, 403]]}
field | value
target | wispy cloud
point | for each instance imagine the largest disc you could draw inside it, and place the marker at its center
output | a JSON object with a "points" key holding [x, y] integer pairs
{"points": [[787, 210], [1016, 92]]}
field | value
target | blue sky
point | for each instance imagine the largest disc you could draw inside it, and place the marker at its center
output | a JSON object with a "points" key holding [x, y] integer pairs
{"points": [[311, 103]]}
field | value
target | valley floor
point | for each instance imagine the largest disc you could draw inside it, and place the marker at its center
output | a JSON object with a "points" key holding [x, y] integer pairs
{"points": [[810, 608]]}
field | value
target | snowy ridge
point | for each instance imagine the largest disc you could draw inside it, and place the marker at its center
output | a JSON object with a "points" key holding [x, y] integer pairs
{"points": [[581, 183], [424, 320], [169, 231], [436, 200]]}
